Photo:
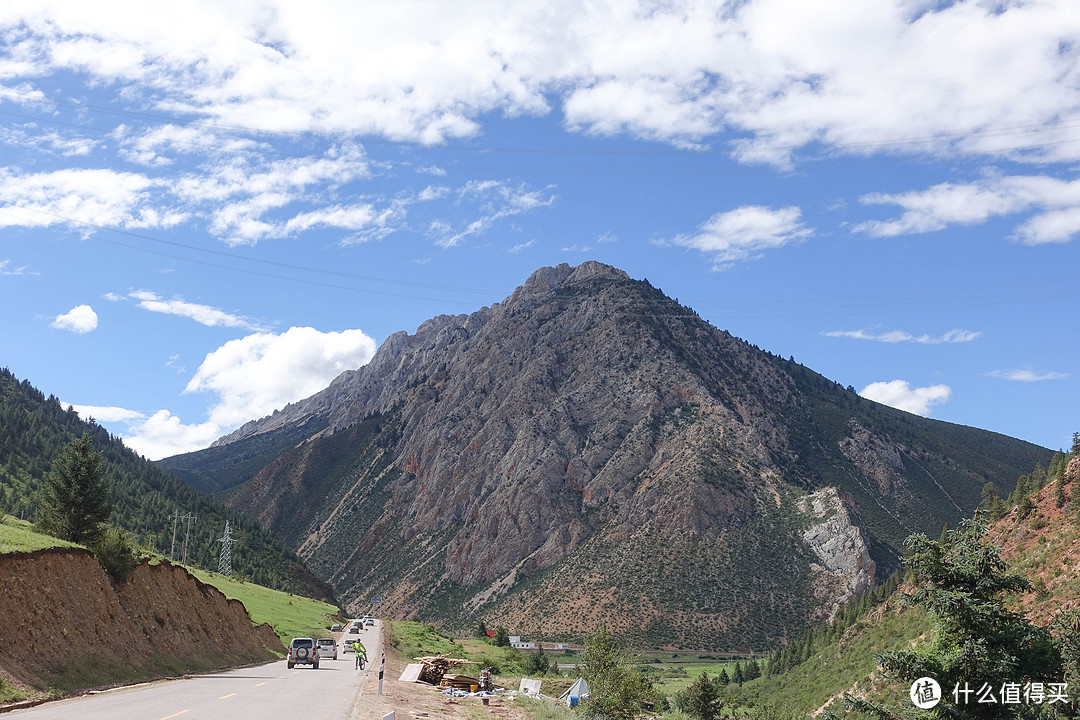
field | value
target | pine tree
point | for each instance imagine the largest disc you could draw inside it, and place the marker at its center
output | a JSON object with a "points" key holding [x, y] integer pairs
{"points": [[701, 699], [537, 663], [1060, 498], [738, 678], [616, 690], [74, 502], [963, 583]]}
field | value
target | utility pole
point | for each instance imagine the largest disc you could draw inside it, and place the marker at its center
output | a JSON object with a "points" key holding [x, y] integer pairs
{"points": [[225, 561], [172, 547], [190, 519]]}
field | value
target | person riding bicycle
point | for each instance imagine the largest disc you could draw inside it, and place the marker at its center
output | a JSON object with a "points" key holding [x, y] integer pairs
{"points": [[361, 653]]}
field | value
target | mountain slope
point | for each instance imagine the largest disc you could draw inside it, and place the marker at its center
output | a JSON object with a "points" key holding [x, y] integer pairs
{"points": [[33, 431], [591, 451], [1039, 540]]}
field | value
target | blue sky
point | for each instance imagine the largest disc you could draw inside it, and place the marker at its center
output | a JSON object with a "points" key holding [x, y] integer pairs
{"points": [[209, 210]]}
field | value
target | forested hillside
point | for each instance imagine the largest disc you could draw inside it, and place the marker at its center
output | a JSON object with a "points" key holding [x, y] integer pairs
{"points": [[1036, 529], [33, 431]]}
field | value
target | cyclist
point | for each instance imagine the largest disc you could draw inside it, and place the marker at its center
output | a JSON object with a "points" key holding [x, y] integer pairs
{"points": [[361, 653]]}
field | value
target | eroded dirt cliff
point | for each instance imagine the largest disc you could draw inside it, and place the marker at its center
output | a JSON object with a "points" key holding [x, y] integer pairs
{"points": [[66, 626]]}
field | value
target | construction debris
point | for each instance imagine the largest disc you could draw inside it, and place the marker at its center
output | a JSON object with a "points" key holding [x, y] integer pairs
{"points": [[435, 670]]}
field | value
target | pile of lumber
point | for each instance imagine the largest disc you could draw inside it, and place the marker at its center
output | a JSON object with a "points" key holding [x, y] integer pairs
{"points": [[436, 671]]}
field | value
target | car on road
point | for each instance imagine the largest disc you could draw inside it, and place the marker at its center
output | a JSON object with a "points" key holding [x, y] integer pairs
{"points": [[369, 621], [303, 651], [327, 648], [354, 630], [336, 627]]}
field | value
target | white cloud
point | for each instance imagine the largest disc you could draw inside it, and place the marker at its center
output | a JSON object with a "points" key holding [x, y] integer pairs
{"points": [[155, 146], [745, 233], [242, 196], [175, 363], [251, 377], [899, 336], [50, 142], [521, 247], [1056, 202], [966, 76], [80, 319], [1052, 226], [899, 394], [21, 270], [202, 314], [263, 372], [433, 192], [247, 199], [495, 200], [100, 197], [164, 434], [1027, 375], [105, 414]]}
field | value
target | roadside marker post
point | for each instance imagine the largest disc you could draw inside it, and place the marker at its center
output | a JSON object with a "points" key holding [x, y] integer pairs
{"points": [[382, 669]]}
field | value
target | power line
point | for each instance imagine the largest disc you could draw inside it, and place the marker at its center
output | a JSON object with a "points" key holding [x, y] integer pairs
{"points": [[260, 261]]}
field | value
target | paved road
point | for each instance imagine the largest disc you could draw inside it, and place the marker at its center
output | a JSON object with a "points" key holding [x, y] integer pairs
{"points": [[266, 692]]}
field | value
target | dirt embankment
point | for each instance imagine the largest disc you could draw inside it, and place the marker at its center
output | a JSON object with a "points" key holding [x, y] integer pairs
{"points": [[66, 627]]}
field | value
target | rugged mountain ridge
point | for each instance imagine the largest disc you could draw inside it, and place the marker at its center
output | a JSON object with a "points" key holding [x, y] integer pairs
{"points": [[590, 451]]}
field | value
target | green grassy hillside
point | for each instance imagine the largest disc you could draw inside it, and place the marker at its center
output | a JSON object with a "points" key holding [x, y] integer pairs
{"points": [[19, 536], [290, 615]]}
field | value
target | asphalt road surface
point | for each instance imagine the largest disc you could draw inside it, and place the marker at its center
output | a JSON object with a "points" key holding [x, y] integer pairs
{"points": [[266, 692]]}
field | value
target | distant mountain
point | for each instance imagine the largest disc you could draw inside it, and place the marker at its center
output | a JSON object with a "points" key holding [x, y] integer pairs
{"points": [[33, 431], [590, 451]]}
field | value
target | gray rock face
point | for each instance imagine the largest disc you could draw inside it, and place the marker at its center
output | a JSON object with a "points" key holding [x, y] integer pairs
{"points": [[839, 540], [590, 451], [877, 458]]}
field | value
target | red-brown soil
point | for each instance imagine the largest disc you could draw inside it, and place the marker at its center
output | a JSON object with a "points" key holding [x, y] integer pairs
{"points": [[66, 626]]}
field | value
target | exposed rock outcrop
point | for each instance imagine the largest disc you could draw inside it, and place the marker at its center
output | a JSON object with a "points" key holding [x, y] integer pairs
{"points": [[876, 457], [839, 540]]}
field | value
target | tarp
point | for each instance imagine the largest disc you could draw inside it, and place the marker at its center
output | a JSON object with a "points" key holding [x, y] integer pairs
{"points": [[577, 692], [529, 686]]}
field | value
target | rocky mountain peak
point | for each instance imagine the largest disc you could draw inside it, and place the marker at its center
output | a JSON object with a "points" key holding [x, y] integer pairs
{"points": [[551, 277], [590, 451]]}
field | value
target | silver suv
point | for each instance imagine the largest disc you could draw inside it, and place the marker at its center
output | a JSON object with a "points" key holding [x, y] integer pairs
{"points": [[303, 651], [327, 648]]}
